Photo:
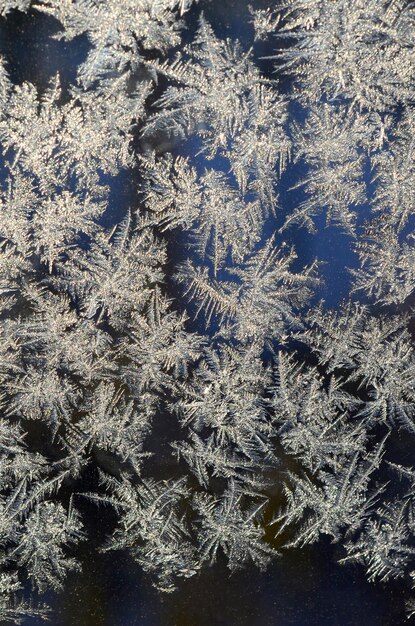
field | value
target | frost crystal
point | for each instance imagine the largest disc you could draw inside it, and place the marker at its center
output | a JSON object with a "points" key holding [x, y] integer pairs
{"points": [[160, 320]]}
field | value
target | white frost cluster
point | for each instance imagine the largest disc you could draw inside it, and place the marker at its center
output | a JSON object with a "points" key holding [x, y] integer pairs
{"points": [[189, 308]]}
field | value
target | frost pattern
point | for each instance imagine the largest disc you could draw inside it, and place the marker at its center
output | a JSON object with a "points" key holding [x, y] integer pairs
{"points": [[284, 416]]}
